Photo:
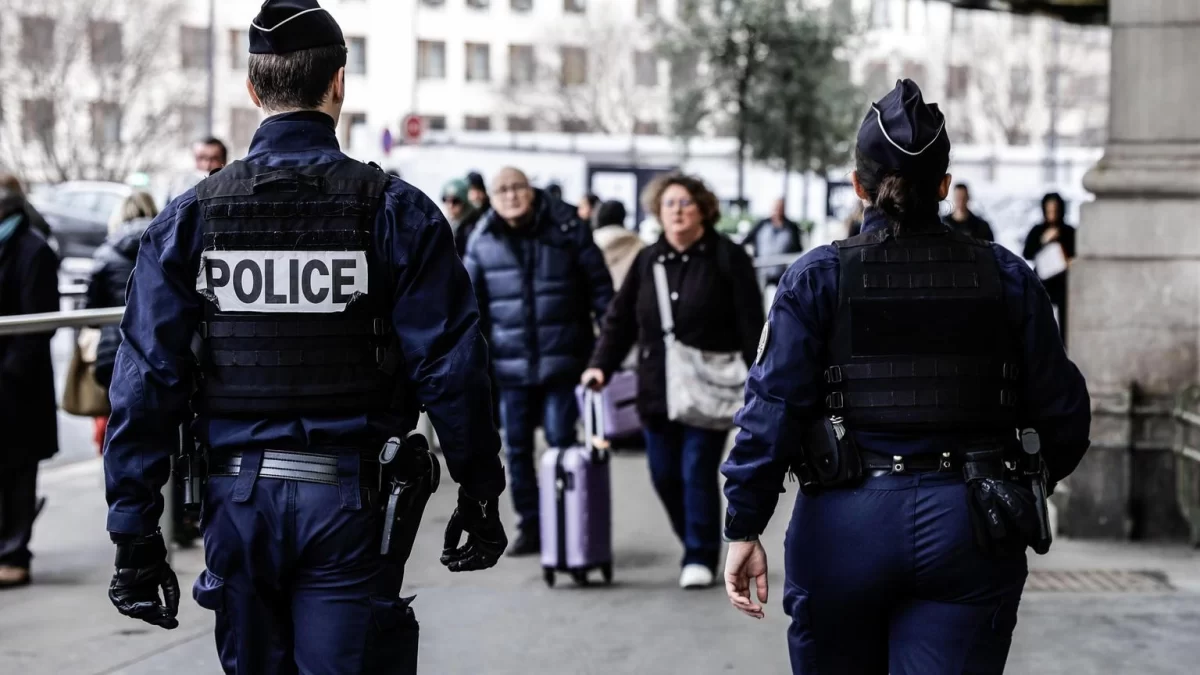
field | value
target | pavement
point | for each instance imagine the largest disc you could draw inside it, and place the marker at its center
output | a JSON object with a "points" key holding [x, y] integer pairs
{"points": [[506, 621]]}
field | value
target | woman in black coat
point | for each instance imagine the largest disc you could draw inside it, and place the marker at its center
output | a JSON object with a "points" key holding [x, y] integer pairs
{"points": [[1053, 231], [28, 406], [717, 306]]}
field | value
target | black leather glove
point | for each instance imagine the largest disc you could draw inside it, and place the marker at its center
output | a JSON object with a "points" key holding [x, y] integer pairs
{"points": [[1003, 515], [486, 540], [141, 570]]}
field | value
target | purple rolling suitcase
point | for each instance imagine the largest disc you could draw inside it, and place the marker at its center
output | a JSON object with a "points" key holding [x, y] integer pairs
{"points": [[619, 399], [576, 503]]}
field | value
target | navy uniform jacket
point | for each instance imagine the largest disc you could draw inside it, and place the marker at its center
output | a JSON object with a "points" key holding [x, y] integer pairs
{"points": [[785, 384], [436, 318]]}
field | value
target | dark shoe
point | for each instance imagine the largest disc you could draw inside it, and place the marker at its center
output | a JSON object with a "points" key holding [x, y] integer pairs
{"points": [[12, 577], [529, 542]]}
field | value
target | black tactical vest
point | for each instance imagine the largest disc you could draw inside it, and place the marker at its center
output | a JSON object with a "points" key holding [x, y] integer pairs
{"points": [[295, 322], [921, 340]]}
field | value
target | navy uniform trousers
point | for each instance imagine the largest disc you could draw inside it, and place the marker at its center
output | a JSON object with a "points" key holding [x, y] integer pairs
{"points": [[296, 581], [886, 578]]}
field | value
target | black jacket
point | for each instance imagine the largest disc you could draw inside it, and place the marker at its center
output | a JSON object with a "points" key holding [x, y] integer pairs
{"points": [[113, 266], [466, 228], [28, 405], [973, 226], [1056, 286], [719, 307], [540, 290]]}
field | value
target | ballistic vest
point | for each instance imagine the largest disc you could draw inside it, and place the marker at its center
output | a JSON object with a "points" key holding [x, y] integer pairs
{"points": [[921, 339], [295, 320]]}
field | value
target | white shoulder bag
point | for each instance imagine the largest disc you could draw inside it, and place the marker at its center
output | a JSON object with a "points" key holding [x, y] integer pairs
{"points": [[704, 388]]}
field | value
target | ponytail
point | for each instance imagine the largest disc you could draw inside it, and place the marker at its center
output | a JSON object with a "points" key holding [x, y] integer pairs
{"points": [[909, 202]]}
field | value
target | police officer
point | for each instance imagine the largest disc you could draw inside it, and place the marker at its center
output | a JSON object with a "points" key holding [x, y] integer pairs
{"points": [[893, 375], [328, 305]]}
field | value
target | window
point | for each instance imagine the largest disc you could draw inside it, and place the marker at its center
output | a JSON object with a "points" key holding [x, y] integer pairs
{"points": [[958, 78], [243, 122], [193, 123], [645, 69], [1020, 87], [193, 47], [354, 126], [881, 13], [522, 5], [684, 68], [520, 123], [876, 78], [37, 120], [478, 4], [435, 122], [521, 68], [106, 124], [573, 126], [647, 8], [356, 56], [239, 49], [37, 39], [575, 6], [477, 123], [431, 60], [644, 128], [574, 65], [479, 62], [104, 37], [916, 72]]}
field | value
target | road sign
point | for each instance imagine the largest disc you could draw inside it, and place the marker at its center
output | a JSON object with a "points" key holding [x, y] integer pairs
{"points": [[414, 126], [388, 141]]}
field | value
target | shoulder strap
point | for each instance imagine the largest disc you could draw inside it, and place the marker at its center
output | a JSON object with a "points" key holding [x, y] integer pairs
{"points": [[664, 299]]}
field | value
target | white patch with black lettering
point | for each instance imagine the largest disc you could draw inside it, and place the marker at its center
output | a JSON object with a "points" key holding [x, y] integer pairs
{"points": [[282, 281]]}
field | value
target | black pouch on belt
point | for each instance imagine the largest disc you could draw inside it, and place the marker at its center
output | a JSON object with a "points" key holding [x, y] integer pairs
{"points": [[831, 459], [1004, 513], [410, 474]]}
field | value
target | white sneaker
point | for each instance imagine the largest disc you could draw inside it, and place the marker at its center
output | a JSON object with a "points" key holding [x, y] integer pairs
{"points": [[695, 576]]}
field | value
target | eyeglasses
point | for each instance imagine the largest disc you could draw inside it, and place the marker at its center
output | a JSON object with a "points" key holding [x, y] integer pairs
{"points": [[505, 189], [452, 201], [681, 203]]}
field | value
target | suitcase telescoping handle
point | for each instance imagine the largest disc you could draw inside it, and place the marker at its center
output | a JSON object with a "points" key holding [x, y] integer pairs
{"points": [[593, 424]]}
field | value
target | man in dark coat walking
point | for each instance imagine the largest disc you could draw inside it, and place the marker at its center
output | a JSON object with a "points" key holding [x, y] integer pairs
{"points": [[542, 287], [28, 285]]}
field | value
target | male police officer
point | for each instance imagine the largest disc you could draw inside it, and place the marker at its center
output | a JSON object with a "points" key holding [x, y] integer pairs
{"points": [[329, 303]]}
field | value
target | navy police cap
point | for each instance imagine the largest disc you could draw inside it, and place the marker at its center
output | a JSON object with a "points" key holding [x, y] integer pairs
{"points": [[285, 26], [904, 133]]}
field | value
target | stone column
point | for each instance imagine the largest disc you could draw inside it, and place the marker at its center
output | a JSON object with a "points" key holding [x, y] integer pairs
{"points": [[1135, 287]]}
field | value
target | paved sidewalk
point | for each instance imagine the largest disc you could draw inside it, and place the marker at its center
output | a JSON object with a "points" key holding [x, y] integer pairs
{"points": [[506, 622]]}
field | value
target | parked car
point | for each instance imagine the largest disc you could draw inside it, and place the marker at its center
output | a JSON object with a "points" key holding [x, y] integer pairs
{"points": [[79, 212]]}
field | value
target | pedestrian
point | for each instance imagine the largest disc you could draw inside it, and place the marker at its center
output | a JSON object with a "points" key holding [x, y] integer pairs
{"points": [[1050, 246], [28, 285], [542, 288], [210, 154], [587, 208], [963, 220], [477, 192], [554, 191], [774, 236], [461, 213], [617, 243], [36, 221], [716, 305], [330, 307], [891, 377]]}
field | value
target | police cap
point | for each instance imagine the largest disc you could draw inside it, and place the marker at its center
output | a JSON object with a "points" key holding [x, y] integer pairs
{"points": [[904, 133], [285, 26]]}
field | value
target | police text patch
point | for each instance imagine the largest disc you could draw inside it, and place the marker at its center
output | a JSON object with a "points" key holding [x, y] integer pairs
{"points": [[282, 281]]}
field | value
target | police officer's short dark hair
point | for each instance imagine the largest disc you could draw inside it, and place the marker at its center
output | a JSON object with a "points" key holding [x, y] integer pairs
{"points": [[297, 80]]}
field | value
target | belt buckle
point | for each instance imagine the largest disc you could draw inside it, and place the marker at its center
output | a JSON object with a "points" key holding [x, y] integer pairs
{"points": [[897, 464]]}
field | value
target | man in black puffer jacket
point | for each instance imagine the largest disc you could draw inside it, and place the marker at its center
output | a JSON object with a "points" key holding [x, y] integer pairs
{"points": [[542, 286]]}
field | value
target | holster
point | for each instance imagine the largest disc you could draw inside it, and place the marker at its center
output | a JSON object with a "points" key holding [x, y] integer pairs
{"points": [[191, 471], [829, 457], [1007, 514], [409, 474]]}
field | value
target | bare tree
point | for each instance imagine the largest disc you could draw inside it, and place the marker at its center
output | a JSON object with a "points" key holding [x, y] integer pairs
{"points": [[585, 79], [999, 80], [94, 88]]}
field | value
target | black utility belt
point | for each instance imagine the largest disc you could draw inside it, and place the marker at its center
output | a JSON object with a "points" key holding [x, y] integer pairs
{"points": [[306, 467]]}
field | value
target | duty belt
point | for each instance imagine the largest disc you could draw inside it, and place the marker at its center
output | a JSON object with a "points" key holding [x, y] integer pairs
{"points": [[300, 466], [879, 464]]}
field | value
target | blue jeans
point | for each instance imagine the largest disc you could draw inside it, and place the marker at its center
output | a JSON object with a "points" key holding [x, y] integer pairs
{"points": [[522, 410], [684, 462], [297, 584], [886, 577]]}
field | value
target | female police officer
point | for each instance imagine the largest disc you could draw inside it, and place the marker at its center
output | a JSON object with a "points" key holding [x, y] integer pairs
{"points": [[892, 376]]}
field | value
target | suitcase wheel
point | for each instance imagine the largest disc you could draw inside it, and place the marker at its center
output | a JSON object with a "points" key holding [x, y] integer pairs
{"points": [[580, 577], [548, 575], [606, 572]]}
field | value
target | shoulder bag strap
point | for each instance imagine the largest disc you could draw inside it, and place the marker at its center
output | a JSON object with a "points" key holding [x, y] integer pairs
{"points": [[664, 299]]}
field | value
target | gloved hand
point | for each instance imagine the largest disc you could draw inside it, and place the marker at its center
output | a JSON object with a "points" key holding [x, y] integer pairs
{"points": [[1003, 515], [486, 540], [141, 570]]}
